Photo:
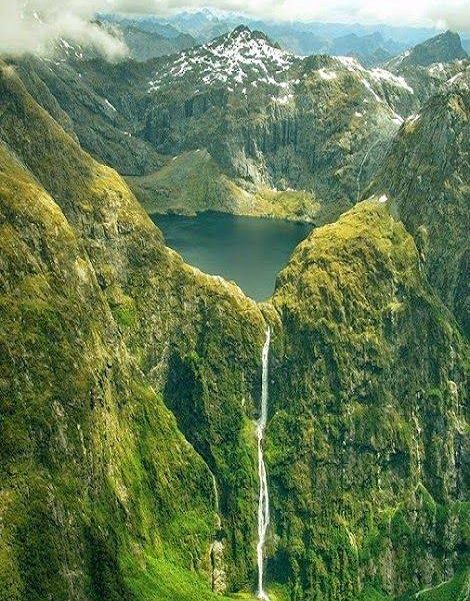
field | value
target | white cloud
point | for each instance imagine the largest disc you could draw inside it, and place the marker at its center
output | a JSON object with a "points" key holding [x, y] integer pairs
{"points": [[33, 25], [21, 31]]}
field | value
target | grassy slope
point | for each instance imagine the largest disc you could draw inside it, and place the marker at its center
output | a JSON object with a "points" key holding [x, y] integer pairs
{"points": [[164, 581], [456, 589], [193, 182]]}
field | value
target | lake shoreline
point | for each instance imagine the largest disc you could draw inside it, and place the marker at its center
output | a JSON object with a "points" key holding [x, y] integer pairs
{"points": [[249, 251]]}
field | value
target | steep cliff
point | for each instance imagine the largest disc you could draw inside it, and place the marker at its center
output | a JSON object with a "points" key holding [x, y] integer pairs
{"points": [[426, 177], [366, 442], [64, 90], [98, 318]]}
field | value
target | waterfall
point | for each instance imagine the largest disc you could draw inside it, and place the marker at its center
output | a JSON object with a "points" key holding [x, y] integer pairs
{"points": [[216, 551], [263, 502], [216, 494]]}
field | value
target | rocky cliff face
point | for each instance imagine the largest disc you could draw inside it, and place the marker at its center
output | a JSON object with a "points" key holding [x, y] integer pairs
{"points": [[246, 100], [319, 125], [426, 176]]}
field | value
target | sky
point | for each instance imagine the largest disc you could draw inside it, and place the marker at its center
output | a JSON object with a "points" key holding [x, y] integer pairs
{"points": [[22, 31]]}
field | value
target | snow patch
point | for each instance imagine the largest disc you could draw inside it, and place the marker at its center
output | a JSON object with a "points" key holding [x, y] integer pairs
{"points": [[436, 69], [398, 119], [371, 90], [383, 75], [413, 118], [328, 75], [282, 99], [350, 63], [238, 58], [109, 105]]}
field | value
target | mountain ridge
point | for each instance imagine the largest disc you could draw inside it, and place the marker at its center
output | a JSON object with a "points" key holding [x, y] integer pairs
{"points": [[126, 117], [444, 47]]}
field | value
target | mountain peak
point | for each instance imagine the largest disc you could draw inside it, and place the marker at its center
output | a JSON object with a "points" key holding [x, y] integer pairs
{"points": [[240, 30], [243, 34], [442, 48], [236, 59]]}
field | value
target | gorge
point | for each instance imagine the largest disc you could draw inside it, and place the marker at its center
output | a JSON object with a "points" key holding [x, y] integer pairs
{"points": [[167, 435]]}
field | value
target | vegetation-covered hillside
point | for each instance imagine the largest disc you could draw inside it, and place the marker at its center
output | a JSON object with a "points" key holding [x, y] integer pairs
{"points": [[366, 443], [100, 316], [130, 382]]}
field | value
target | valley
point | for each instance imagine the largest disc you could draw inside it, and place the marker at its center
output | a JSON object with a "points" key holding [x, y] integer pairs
{"points": [[234, 321]]}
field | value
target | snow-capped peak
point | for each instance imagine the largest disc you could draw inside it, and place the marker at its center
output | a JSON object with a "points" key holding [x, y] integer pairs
{"points": [[238, 58]]}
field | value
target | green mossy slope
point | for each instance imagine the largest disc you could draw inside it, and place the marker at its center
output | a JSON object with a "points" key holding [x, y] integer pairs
{"points": [[93, 461], [112, 313], [366, 439]]}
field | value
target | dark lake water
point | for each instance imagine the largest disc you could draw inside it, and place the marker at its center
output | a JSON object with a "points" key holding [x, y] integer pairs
{"points": [[248, 250]]}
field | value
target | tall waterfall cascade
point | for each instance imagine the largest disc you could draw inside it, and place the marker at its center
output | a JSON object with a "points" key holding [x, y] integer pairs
{"points": [[216, 494], [263, 502]]}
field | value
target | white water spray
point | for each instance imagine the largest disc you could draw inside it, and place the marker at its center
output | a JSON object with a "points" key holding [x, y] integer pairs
{"points": [[216, 494], [263, 502]]}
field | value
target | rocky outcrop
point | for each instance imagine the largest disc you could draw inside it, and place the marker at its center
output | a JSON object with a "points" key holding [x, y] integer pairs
{"points": [[426, 177], [219, 577]]}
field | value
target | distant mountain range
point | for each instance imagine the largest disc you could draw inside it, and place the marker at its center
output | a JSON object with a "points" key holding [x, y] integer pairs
{"points": [[147, 39], [239, 124], [371, 44]]}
